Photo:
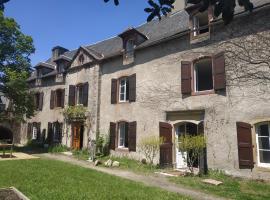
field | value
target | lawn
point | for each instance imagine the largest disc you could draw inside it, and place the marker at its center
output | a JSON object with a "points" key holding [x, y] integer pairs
{"points": [[232, 188], [48, 179]]}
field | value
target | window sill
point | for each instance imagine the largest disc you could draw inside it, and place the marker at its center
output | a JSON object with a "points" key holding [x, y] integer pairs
{"points": [[122, 149], [123, 102], [57, 108], [206, 92], [199, 38], [263, 168]]}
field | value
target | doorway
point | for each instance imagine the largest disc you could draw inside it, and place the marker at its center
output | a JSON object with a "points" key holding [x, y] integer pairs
{"points": [[77, 135], [183, 129]]}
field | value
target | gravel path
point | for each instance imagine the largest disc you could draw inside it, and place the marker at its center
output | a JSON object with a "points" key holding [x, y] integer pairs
{"points": [[149, 180]]}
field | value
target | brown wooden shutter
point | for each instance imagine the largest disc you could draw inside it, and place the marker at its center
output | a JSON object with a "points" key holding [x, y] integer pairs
{"points": [[71, 96], [112, 135], [38, 125], [165, 132], [245, 147], [85, 94], [219, 71], [52, 101], [114, 91], [60, 132], [186, 77], [132, 88], [29, 131], [132, 131], [50, 133], [41, 96], [63, 99]]}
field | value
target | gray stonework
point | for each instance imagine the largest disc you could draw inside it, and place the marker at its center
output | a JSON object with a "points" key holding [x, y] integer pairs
{"points": [[158, 72], [158, 76]]}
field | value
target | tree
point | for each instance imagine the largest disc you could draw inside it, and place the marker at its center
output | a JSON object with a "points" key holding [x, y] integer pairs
{"points": [[15, 68], [193, 146], [149, 146], [224, 7]]}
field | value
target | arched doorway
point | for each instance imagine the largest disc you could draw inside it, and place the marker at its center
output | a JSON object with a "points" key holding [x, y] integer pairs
{"points": [[6, 135], [182, 129]]}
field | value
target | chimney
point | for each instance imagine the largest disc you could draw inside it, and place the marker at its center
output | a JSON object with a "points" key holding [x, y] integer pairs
{"points": [[179, 5], [58, 51]]}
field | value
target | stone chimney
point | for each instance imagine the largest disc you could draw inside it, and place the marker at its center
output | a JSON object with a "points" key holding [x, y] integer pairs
{"points": [[179, 5], [58, 51]]}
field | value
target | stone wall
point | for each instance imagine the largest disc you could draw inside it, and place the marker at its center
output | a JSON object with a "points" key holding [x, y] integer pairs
{"points": [[158, 71]]}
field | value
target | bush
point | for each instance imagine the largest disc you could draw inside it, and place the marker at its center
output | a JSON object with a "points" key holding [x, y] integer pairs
{"points": [[58, 148], [102, 146], [150, 146], [194, 145]]}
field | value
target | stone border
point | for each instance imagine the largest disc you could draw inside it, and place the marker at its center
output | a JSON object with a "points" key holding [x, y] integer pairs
{"points": [[17, 192]]}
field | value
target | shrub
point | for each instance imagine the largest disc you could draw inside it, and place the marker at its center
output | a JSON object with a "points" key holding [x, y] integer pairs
{"points": [[194, 145], [58, 148], [102, 146], [150, 146]]}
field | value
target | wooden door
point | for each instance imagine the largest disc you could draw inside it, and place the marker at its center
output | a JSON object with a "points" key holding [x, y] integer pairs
{"points": [[76, 136], [165, 131]]}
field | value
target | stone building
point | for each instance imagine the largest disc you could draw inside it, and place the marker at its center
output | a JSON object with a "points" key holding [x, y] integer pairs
{"points": [[186, 74]]}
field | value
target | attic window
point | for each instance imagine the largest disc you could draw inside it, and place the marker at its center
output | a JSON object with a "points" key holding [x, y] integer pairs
{"points": [[200, 24], [60, 68], [129, 51], [130, 46], [81, 59], [39, 73]]}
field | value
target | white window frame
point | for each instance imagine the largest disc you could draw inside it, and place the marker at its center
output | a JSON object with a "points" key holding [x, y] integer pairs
{"points": [[125, 89], [34, 133], [266, 165], [78, 88], [121, 127], [195, 26], [196, 76]]}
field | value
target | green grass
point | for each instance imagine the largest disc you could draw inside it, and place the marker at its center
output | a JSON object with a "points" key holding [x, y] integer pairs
{"points": [[131, 165], [47, 179], [232, 188], [81, 154]]}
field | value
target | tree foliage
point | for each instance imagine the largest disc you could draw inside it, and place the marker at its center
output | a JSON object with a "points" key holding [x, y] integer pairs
{"points": [[194, 146], [221, 7], [149, 146], [15, 68]]}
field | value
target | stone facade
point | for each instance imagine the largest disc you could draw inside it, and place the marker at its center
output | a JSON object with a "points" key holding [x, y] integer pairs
{"points": [[158, 90]]}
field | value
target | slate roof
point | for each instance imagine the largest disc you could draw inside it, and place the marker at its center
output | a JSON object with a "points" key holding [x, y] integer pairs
{"points": [[155, 31]]}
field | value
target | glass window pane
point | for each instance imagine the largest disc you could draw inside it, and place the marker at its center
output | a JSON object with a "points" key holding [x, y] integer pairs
{"points": [[264, 130], [122, 89], [122, 134], [122, 97], [265, 156], [264, 143]]}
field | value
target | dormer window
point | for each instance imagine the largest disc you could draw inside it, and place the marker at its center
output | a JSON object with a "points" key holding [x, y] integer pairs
{"points": [[130, 47], [81, 59], [60, 68], [39, 73], [199, 23], [131, 39]]}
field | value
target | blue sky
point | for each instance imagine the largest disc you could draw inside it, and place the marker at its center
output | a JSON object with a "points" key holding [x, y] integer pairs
{"points": [[71, 23]]}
